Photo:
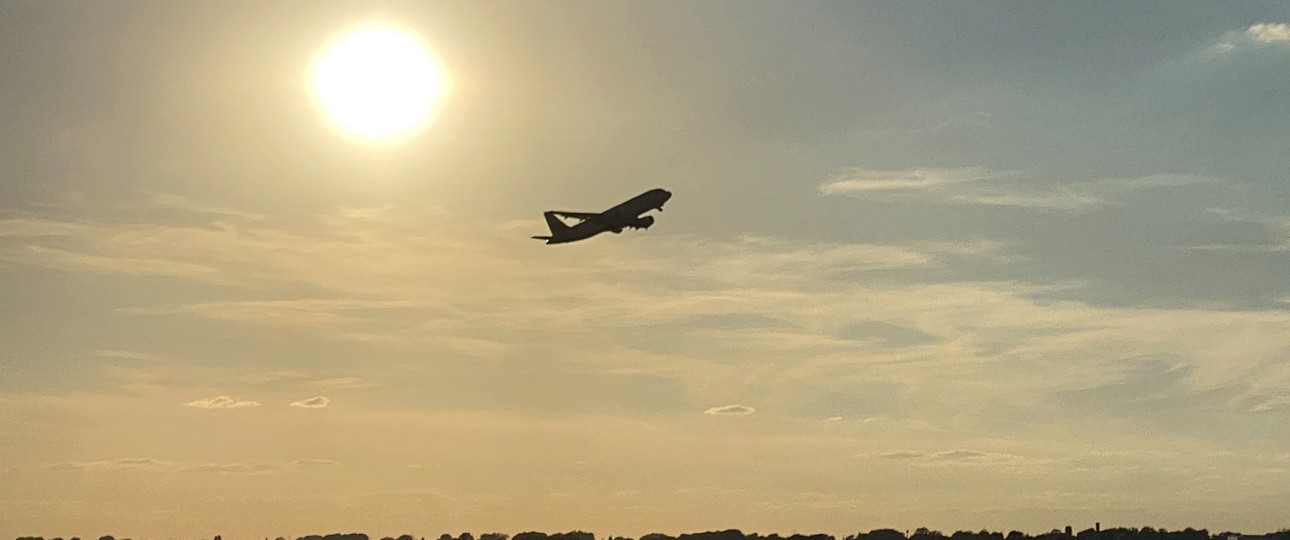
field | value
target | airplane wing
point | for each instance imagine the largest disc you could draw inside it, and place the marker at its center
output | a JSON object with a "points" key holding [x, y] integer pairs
{"points": [[582, 216]]}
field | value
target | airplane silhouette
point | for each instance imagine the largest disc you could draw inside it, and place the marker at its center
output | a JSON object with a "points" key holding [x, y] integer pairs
{"points": [[627, 214]]}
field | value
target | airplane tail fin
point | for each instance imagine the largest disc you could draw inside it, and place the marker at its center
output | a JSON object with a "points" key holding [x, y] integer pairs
{"points": [[553, 222], [548, 238]]}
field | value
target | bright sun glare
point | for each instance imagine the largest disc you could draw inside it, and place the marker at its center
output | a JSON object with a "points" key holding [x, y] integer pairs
{"points": [[378, 82]]}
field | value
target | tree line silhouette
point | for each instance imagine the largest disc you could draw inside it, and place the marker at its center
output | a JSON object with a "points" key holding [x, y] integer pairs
{"points": [[922, 533]]}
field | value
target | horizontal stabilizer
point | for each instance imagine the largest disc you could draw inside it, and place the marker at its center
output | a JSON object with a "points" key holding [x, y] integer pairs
{"points": [[583, 216]]}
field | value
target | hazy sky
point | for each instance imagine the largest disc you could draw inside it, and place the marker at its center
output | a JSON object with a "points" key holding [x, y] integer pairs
{"points": [[951, 264]]}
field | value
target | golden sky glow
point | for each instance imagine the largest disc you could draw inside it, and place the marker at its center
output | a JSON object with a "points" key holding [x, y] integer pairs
{"points": [[952, 264]]}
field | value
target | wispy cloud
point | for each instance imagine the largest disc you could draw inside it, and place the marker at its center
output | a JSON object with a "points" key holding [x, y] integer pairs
{"points": [[164, 466], [133, 464], [126, 355], [316, 402], [707, 301], [730, 410], [313, 463], [372, 274], [858, 180], [987, 187], [180, 202], [62, 259], [900, 455], [314, 312], [341, 383], [1277, 227], [274, 376], [252, 469], [1273, 403], [965, 458], [221, 402], [1256, 36], [373, 269]]}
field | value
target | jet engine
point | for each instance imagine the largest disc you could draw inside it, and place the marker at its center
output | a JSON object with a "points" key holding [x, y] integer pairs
{"points": [[642, 223]]}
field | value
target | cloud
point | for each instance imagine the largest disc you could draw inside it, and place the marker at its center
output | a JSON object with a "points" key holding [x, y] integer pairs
{"points": [[385, 213], [221, 402], [886, 333], [858, 180], [900, 455], [250, 469], [313, 463], [368, 275], [126, 355], [830, 319], [1002, 462], [71, 260], [320, 313], [131, 464], [179, 202], [354, 320], [341, 383], [970, 185], [730, 410], [987, 187], [316, 402], [1160, 389], [1269, 32], [1255, 36], [1277, 228], [1273, 403], [274, 376], [164, 466], [958, 455]]}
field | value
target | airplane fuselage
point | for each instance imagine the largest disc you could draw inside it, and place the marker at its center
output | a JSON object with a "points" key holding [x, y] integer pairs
{"points": [[627, 214]]}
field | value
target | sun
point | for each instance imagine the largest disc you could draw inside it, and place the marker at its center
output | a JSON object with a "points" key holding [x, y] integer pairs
{"points": [[378, 82]]}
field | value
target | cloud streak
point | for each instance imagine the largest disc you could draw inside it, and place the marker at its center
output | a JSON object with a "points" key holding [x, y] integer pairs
{"points": [[221, 402], [986, 187], [130, 464], [313, 463], [164, 466], [730, 410], [1276, 227], [316, 402], [962, 458], [858, 180]]}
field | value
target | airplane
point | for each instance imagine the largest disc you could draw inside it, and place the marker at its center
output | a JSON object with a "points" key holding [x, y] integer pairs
{"points": [[627, 214]]}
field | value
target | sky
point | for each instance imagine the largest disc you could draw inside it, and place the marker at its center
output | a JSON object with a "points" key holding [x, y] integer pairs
{"points": [[963, 265]]}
